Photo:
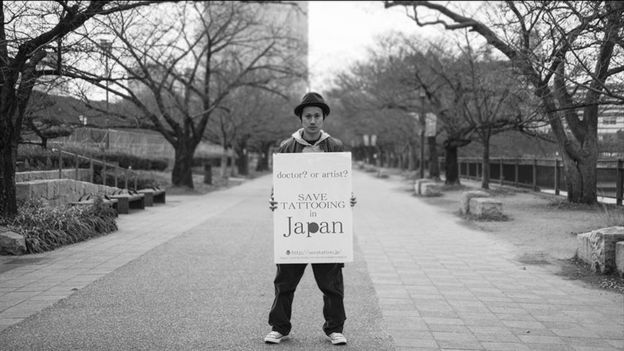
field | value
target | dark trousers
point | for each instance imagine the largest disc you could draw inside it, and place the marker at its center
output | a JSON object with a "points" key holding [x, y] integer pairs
{"points": [[328, 277]]}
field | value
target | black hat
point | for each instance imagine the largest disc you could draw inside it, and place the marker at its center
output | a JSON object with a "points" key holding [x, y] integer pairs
{"points": [[312, 99]]}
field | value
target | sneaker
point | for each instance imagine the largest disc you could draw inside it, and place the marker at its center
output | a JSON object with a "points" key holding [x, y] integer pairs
{"points": [[274, 337], [337, 339]]}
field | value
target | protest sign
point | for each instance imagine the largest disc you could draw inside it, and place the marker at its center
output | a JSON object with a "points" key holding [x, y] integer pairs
{"points": [[313, 219]]}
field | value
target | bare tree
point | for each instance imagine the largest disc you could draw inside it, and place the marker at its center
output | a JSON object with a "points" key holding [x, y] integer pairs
{"points": [[26, 30], [253, 121], [368, 95], [178, 73], [570, 52], [493, 100]]}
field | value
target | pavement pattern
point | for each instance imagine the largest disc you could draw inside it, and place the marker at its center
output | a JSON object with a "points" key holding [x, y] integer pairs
{"points": [[196, 274]]}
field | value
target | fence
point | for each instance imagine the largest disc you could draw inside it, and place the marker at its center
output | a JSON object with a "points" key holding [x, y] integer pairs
{"points": [[115, 170], [540, 174]]}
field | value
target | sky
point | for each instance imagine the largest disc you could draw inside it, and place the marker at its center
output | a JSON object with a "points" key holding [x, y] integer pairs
{"points": [[339, 33]]}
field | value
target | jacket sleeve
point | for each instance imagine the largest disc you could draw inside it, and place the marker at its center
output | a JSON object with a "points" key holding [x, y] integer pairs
{"points": [[337, 145], [286, 146]]}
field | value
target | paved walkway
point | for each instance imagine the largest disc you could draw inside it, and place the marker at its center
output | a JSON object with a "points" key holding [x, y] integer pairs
{"points": [[192, 274]]}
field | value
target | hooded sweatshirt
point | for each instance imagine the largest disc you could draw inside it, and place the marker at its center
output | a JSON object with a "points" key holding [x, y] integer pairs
{"points": [[296, 144]]}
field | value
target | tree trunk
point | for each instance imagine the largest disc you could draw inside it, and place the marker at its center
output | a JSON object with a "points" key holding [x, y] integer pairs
{"points": [[581, 178], [242, 162], [579, 149], [485, 164], [224, 164], [263, 162], [411, 165], [451, 170], [242, 156], [434, 165], [182, 174], [8, 158]]}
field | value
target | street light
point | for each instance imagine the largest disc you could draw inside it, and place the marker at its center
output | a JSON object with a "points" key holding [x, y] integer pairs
{"points": [[422, 94], [366, 143], [376, 155], [106, 47]]}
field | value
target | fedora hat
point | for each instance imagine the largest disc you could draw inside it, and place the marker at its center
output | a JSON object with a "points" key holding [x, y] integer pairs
{"points": [[312, 99]]}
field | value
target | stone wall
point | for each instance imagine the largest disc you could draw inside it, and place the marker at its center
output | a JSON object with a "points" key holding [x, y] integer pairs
{"points": [[57, 192], [598, 248], [84, 175]]}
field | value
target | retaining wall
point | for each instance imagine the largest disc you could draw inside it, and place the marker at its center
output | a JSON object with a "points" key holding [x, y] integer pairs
{"points": [[58, 192], [84, 175]]}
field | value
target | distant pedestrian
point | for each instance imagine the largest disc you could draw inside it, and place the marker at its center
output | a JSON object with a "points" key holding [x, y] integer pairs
{"points": [[312, 112]]}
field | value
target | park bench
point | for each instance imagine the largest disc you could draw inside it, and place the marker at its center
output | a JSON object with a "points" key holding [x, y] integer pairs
{"points": [[127, 201], [153, 195], [88, 199]]}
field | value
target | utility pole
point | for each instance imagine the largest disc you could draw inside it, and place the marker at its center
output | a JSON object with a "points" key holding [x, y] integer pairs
{"points": [[422, 96], [106, 47]]}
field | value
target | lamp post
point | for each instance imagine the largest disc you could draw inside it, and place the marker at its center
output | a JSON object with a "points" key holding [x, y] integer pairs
{"points": [[374, 147], [106, 47], [366, 140], [422, 96]]}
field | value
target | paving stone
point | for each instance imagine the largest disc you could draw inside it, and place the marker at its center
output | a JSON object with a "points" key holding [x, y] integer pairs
{"points": [[540, 339], [411, 342], [504, 346], [442, 278]]}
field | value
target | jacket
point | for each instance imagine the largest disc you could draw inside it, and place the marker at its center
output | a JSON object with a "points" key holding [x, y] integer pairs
{"points": [[296, 144]]}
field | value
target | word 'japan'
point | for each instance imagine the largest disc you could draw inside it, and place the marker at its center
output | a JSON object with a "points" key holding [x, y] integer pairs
{"points": [[309, 228]]}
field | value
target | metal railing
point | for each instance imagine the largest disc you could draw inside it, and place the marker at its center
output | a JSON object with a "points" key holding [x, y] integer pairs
{"points": [[114, 169], [540, 173]]}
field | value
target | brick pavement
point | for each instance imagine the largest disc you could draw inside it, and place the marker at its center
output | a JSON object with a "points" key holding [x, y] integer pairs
{"points": [[439, 284], [443, 286]]}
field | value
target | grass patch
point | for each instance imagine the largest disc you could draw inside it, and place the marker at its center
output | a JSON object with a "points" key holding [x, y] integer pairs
{"points": [[47, 228], [455, 187], [613, 215], [502, 191], [486, 218], [564, 204]]}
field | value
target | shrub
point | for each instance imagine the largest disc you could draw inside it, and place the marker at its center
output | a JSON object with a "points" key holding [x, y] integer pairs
{"points": [[47, 228], [200, 161], [136, 162]]}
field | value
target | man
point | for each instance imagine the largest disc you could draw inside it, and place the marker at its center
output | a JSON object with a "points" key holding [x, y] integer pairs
{"points": [[312, 112]]}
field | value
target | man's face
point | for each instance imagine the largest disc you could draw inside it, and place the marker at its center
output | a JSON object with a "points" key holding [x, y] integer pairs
{"points": [[312, 120]]}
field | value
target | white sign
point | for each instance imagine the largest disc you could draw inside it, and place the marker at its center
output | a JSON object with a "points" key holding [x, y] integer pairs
{"points": [[430, 128], [313, 221]]}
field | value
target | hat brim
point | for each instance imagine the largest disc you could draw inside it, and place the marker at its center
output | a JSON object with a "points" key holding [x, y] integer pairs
{"points": [[324, 108]]}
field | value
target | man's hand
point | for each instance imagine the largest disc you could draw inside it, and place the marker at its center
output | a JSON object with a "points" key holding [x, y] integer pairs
{"points": [[353, 200]]}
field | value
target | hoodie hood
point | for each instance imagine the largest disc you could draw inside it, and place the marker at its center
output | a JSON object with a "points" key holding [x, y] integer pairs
{"points": [[307, 146]]}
